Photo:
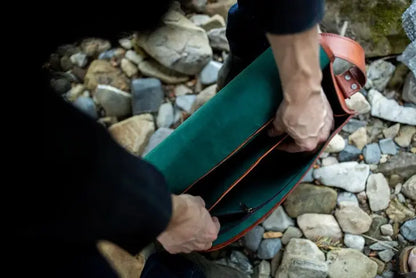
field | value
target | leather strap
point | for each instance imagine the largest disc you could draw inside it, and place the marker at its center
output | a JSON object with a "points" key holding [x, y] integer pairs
{"points": [[337, 46]]}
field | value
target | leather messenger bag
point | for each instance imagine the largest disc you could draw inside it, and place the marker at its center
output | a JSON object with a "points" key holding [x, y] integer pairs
{"points": [[223, 153]]}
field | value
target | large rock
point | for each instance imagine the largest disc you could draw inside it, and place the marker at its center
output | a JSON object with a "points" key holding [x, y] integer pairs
{"points": [[147, 95], [263, 270], [309, 198], [350, 176], [405, 136], [387, 146], [302, 259], [390, 110], [114, 101], [353, 219], [134, 133], [378, 192], [253, 238], [178, 44], [102, 72], [397, 212], [408, 230], [376, 25], [315, 226], [347, 263], [157, 138], [218, 40], [372, 153], [409, 188], [240, 261], [268, 248], [291, 232], [358, 103], [379, 74], [152, 68], [409, 89], [403, 164], [278, 221]]}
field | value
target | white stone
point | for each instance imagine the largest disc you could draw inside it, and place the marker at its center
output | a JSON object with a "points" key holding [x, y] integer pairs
{"points": [[128, 67], [347, 198], [378, 192], [336, 144], [349, 263], [353, 219], [165, 116], [315, 226], [134, 57], [390, 110], [386, 229], [358, 103], [125, 43], [185, 102], [354, 241], [350, 176], [329, 161], [182, 90], [80, 59], [409, 188], [204, 96]]}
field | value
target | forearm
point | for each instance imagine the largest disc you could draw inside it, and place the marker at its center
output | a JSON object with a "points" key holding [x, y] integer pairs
{"points": [[297, 58]]}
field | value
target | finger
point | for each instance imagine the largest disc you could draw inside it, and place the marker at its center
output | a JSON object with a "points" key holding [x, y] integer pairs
{"points": [[217, 224], [276, 129]]}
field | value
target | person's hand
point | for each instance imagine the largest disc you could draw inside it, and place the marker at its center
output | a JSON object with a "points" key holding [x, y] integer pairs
{"points": [[304, 114], [191, 227]]}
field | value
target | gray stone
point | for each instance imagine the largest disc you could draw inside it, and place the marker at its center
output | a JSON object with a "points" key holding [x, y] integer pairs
{"points": [[114, 101], [302, 258], [387, 229], [239, 260], [309, 198], [359, 138], [253, 238], [278, 221], [60, 85], [336, 144], [350, 176], [405, 135], [152, 68], [126, 43], [390, 110], [408, 230], [374, 230], [353, 125], [157, 138], [147, 95], [218, 40], [358, 103], [204, 96], [383, 245], [80, 59], [185, 102], [380, 72], [347, 197], [291, 232], [308, 176], [392, 131], [347, 263], [350, 153], [134, 57], [93, 46], [263, 270], [134, 133], [409, 88], [165, 115], [387, 146], [353, 219], [128, 67], [268, 248], [182, 90], [354, 241], [386, 255], [409, 188], [403, 164], [315, 226], [408, 57], [177, 44], [372, 153], [209, 73], [86, 105], [378, 192], [388, 274], [401, 198]]}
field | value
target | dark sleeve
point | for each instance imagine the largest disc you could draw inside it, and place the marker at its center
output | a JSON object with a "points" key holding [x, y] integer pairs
{"points": [[285, 16], [91, 188]]}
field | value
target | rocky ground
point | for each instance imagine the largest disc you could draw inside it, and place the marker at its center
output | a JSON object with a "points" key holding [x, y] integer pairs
{"points": [[353, 212]]}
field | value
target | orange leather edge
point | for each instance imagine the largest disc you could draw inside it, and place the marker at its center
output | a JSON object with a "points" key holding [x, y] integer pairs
{"points": [[241, 234]]}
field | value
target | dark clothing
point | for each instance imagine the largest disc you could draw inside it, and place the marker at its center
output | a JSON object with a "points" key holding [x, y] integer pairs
{"points": [[90, 188]]}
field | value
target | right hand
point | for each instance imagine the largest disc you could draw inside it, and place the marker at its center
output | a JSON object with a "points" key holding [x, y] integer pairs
{"points": [[191, 227]]}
